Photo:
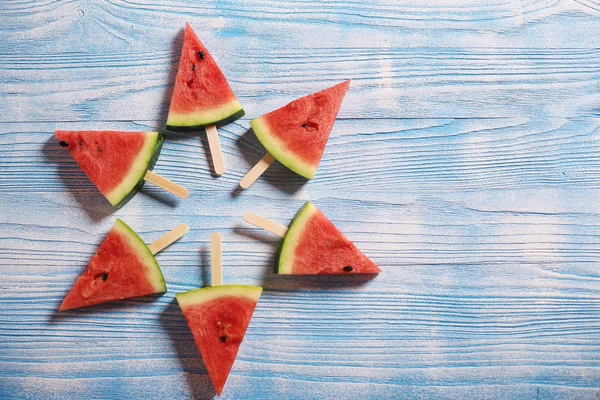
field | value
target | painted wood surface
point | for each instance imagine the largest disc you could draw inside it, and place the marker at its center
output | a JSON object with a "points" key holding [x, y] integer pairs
{"points": [[465, 162]]}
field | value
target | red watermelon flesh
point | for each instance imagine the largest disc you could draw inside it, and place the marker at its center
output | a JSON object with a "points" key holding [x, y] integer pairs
{"points": [[115, 162], [201, 96], [296, 134], [123, 267], [218, 317], [313, 245]]}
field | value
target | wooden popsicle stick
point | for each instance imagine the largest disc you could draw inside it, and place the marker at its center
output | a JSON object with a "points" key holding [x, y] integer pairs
{"points": [[216, 259], [166, 184], [164, 241], [257, 171], [215, 149], [265, 224]]}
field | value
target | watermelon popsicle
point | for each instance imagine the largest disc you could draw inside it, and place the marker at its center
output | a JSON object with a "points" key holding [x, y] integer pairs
{"points": [[296, 134], [118, 163], [313, 245], [202, 97], [218, 317], [122, 268]]}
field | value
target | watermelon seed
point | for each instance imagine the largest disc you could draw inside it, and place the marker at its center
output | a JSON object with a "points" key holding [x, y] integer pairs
{"points": [[103, 275], [63, 143], [223, 329], [201, 55], [348, 268], [193, 67], [309, 126]]}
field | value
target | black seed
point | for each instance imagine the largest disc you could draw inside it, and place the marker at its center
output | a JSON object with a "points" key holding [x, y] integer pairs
{"points": [[348, 268], [104, 276], [310, 126], [193, 67], [201, 55], [223, 338], [63, 143]]}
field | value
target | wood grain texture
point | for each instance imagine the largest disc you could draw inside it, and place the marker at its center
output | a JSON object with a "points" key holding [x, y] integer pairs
{"points": [[395, 82], [464, 162]]}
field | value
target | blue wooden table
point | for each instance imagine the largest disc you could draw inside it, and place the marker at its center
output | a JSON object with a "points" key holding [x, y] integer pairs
{"points": [[465, 162]]}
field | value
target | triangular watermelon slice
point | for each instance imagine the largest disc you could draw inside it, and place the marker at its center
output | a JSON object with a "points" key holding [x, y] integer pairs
{"points": [[218, 317], [201, 96], [123, 267], [296, 134], [313, 245], [116, 162]]}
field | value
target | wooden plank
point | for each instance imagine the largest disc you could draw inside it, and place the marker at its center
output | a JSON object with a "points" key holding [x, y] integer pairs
{"points": [[537, 58], [394, 82], [514, 238], [402, 156], [28, 25]]}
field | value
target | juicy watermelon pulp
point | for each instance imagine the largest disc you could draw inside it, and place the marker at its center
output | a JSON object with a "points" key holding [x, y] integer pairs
{"points": [[313, 245], [201, 96], [116, 162], [296, 134], [218, 317], [123, 267]]}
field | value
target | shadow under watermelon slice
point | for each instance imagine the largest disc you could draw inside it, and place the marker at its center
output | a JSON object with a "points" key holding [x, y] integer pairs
{"points": [[199, 384]]}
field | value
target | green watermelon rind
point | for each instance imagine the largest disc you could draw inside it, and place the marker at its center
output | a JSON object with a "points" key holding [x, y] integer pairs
{"points": [[283, 265], [196, 120], [134, 181], [155, 275], [208, 293], [278, 150]]}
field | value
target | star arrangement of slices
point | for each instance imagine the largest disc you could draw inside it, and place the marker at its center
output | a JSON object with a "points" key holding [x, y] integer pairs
{"points": [[119, 163]]}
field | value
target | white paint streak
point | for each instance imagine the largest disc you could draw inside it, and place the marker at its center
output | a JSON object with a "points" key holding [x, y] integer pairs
{"points": [[217, 23]]}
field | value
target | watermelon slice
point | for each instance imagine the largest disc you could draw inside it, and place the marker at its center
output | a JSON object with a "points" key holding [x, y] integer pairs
{"points": [[296, 134], [123, 267], [313, 245], [116, 162], [218, 317], [201, 96]]}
